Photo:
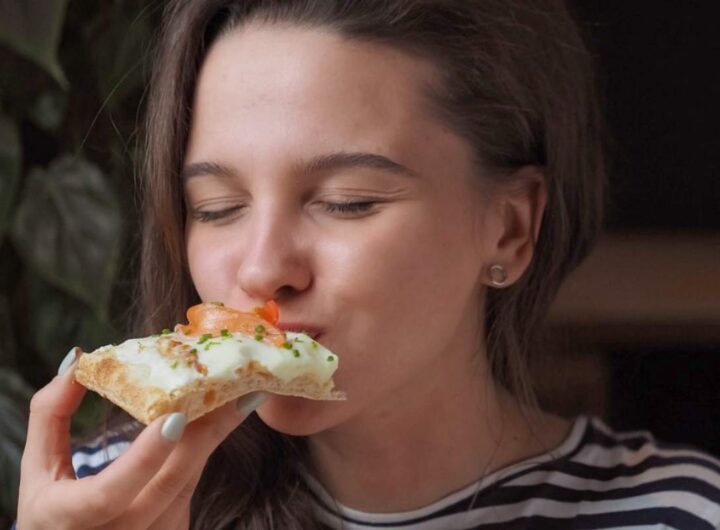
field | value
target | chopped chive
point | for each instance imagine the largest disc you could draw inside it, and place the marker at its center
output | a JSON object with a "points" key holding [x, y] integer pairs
{"points": [[194, 350], [330, 358], [210, 344], [174, 365], [287, 346], [206, 337], [225, 333], [314, 344], [166, 331], [260, 328], [296, 353], [218, 304], [259, 337]]}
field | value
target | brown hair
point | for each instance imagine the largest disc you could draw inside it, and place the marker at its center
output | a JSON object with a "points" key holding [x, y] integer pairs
{"points": [[517, 84]]}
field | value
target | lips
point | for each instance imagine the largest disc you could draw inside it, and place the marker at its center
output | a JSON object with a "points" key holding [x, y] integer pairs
{"points": [[300, 327]]}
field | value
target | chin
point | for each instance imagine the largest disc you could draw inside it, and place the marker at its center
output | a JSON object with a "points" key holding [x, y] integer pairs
{"points": [[298, 416]]}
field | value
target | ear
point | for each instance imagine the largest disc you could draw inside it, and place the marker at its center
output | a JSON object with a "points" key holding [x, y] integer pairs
{"points": [[515, 217]]}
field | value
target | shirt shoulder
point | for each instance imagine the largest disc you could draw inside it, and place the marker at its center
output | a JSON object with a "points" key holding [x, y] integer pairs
{"points": [[632, 477], [597, 478]]}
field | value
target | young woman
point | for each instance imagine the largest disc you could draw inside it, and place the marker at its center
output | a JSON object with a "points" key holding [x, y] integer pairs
{"points": [[410, 180]]}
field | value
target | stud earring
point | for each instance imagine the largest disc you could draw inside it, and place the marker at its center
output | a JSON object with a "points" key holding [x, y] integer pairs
{"points": [[498, 276]]}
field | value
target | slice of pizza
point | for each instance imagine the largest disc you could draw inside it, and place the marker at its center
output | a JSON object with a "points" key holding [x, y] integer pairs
{"points": [[220, 355]]}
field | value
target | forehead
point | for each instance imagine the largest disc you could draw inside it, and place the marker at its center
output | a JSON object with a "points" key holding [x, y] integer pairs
{"points": [[266, 87]]}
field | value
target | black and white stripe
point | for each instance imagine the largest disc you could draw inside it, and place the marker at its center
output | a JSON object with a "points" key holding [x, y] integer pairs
{"points": [[95, 456], [596, 479]]}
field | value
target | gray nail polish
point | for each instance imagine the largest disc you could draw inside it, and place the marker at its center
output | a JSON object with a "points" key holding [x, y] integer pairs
{"points": [[245, 405], [174, 426], [68, 361]]}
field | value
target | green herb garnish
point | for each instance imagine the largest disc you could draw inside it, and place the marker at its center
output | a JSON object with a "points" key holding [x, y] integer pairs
{"points": [[166, 331], [296, 353], [330, 358], [287, 346], [174, 365], [218, 304], [260, 328], [314, 344], [206, 337], [225, 333], [259, 337], [210, 344]]}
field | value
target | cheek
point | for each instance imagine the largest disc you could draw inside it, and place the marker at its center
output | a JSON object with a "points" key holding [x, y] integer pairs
{"points": [[413, 264], [405, 290], [210, 264]]}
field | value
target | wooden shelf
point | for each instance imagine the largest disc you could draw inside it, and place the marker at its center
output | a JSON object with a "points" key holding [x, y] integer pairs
{"points": [[644, 287]]}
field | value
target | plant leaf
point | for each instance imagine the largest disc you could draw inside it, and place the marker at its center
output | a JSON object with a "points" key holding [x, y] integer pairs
{"points": [[49, 110], [15, 396], [67, 228], [32, 28], [59, 322], [9, 169]]}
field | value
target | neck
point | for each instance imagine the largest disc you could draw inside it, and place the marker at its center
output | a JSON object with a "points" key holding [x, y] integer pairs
{"points": [[426, 441]]}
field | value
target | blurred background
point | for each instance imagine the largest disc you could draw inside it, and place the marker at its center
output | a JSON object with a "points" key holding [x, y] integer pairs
{"points": [[634, 336]]}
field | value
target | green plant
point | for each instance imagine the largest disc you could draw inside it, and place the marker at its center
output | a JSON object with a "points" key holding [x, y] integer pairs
{"points": [[72, 84]]}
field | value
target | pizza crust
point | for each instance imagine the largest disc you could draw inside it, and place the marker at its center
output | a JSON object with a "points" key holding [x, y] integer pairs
{"points": [[125, 386]]}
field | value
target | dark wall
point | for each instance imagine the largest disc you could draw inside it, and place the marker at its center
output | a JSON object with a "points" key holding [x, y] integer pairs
{"points": [[660, 64]]}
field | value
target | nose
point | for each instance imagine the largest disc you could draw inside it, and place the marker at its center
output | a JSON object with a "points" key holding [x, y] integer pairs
{"points": [[274, 264]]}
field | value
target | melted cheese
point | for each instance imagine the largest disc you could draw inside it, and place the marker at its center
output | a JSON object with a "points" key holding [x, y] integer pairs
{"points": [[151, 360]]}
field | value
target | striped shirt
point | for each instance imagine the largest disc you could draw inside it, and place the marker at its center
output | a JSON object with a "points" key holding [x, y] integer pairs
{"points": [[596, 478]]}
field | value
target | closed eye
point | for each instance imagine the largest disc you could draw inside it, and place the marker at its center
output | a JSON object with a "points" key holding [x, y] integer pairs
{"points": [[349, 207], [207, 216]]}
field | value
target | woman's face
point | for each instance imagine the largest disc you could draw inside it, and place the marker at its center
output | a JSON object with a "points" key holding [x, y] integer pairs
{"points": [[315, 176]]}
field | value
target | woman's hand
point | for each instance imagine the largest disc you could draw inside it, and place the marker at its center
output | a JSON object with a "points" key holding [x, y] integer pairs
{"points": [[148, 486]]}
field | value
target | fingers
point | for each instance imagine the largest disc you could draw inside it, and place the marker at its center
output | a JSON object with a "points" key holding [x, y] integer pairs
{"points": [[167, 496], [137, 488], [178, 520], [48, 439], [95, 500]]}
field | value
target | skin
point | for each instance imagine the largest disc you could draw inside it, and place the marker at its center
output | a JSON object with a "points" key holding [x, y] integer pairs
{"points": [[148, 486], [397, 290]]}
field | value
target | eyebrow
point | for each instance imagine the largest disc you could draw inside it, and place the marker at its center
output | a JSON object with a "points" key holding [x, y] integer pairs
{"points": [[318, 164], [199, 169], [352, 160]]}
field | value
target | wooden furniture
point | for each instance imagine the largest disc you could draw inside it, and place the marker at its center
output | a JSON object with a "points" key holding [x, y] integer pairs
{"points": [[644, 288]]}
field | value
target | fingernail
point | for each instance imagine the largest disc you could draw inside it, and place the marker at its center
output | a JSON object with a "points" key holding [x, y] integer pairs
{"points": [[68, 361], [245, 405], [174, 426]]}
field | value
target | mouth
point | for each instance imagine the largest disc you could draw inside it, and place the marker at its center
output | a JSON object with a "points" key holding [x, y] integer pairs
{"points": [[297, 327]]}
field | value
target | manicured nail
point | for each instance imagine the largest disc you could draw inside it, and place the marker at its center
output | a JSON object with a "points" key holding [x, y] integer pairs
{"points": [[245, 405], [174, 426], [68, 361]]}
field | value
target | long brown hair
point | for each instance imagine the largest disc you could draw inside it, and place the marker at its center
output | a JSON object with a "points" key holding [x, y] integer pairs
{"points": [[517, 84]]}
